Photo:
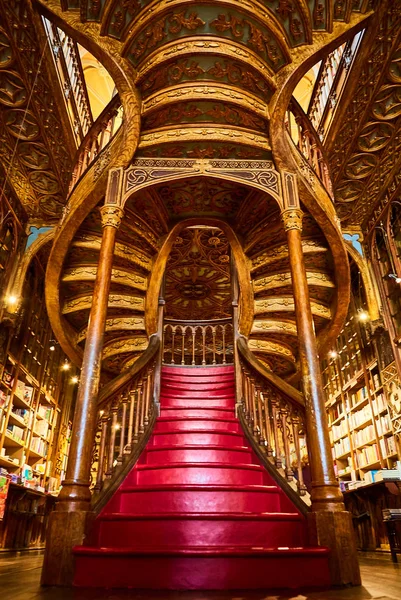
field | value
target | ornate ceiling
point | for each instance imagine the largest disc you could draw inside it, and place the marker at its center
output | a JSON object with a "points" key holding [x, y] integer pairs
{"points": [[198, 281], [34, 149]]}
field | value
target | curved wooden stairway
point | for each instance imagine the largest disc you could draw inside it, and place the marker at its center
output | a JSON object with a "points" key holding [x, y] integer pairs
{"points": [[198, 510]]}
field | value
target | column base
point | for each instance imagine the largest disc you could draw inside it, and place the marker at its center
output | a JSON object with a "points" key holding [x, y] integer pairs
{"points": [[335, 530], [65, 530]]}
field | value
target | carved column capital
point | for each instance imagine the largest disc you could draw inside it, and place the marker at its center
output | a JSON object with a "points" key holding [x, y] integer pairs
{"points": [[292, 218], [111, 216]]}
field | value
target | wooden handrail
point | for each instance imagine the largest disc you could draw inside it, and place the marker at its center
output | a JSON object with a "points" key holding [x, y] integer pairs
{"points": [[95, 141], [309, 144], [272, 414], [277, 382], [116, 385], [200, 343]]}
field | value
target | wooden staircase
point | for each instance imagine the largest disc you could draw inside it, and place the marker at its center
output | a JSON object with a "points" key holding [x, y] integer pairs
{"points": [[198, 510]]}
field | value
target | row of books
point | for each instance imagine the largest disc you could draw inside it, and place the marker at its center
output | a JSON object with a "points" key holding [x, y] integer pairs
{"points": [[388, 446], [378, 404], [340, 429], [40, 446], [359, 417], [342, 447], [16, 432], [383, 424], [362, 436], [357, 397], [367, 455]]}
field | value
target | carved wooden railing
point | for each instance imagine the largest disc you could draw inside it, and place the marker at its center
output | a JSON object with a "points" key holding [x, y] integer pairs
{"points": [[272, 414], [198, 342], [127, 409], [308, 143], [98, 137]]}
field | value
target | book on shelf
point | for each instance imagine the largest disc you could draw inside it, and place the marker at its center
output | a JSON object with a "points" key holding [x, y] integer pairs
{"points": [[16, 432], [362, 436], [388, 446], [39, 446], [368, 455], [8, 378]]}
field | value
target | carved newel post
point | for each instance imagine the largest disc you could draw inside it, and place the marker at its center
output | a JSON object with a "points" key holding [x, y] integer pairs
{"points": [[68, 522], [330, 524]]}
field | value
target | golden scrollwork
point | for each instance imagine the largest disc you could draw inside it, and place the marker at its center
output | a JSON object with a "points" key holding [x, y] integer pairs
{"points": [[111, 216], [292, 219], [208, 132], [200, 91], [286, 304]]}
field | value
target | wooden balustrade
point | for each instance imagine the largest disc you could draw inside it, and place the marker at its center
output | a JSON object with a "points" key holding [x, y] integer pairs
{"points": [[308, 143], [275, 419], [98, 137], [123, 419], [198, 342]]}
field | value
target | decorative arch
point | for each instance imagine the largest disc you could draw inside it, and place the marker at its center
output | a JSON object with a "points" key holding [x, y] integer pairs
{"points": [[370, 290], [152, 296], [17, 283]]}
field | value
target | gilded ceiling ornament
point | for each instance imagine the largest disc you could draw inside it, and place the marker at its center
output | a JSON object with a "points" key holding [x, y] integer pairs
{"points": [[394, 70], [360, 166], [12, 89], [111, 216], [375, 136], [33, 155], [44, 182], [22, 124], [6, 53], [388, 103]]}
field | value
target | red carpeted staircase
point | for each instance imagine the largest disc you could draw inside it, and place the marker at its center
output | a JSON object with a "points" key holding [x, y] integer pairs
{"points": [[198, 511]]}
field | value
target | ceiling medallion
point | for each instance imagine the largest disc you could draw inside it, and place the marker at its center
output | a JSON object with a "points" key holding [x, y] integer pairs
{"points": [[194, 291], [361, 166], [348, 191], [388, 103], [375, 136]]}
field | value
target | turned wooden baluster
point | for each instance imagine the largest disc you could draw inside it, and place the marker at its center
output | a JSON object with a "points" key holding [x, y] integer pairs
{"points": [[112, 440], [267, 424], [193, 344], [147, 397], [203, 345], [253, 405], [172, 344], [259, 403], [224, 344], [275, 413], [128, 447], [141, 398], [286, 432], [123, 428], [102, 447], [246, 396], [183, 332], [137, 393], [300, 483], [214, 345]]}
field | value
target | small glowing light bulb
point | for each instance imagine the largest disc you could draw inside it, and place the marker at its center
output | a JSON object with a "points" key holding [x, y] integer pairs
{"points": [[333, 354]]}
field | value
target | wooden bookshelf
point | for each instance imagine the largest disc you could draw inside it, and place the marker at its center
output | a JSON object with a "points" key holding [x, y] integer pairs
{"points": [[361, 431], [33, 386]]}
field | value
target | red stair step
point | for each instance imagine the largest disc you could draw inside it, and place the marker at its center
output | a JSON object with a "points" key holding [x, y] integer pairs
{"points": [[198, 385], [165, 424], [203, 530], [173, 402], [204, 438], [201, 569], [184, 412], [199, 498], [193, 453], [197, 473], [196, 372]]}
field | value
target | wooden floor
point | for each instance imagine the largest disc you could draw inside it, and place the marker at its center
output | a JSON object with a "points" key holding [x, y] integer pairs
{"points": [[20, 576]]}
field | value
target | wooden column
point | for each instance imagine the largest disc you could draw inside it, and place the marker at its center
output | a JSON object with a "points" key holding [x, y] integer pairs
{"points": [[66, 530], [330, 524]]}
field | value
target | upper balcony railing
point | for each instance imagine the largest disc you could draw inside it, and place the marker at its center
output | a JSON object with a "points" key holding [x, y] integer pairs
{"points": [[67, 60], [330, 83], [98, 137], [198, 342], [308, 143]]}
